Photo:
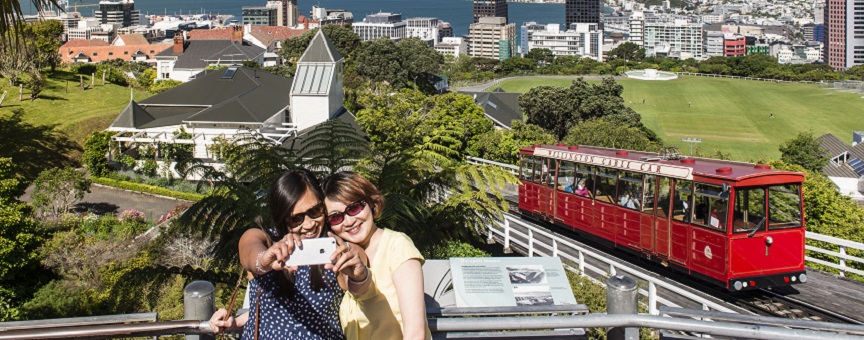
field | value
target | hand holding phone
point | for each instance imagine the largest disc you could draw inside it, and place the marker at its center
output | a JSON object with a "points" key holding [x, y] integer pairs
{"points": [[313, 251]]}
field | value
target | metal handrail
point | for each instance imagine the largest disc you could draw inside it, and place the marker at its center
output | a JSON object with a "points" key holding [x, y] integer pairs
{"points": [[842, 244], [776, 330]]}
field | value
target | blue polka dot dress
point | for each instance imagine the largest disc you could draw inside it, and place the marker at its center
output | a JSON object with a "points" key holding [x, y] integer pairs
{"points": [[310, 315]]}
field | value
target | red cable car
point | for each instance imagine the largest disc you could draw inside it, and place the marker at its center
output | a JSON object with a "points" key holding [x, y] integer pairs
{"points": [[737, 225]]}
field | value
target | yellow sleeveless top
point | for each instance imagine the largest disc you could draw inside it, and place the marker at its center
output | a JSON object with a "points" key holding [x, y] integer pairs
{"points": [[376, 314]]}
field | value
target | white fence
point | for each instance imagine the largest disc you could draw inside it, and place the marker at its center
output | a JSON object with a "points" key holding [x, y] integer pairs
{"points": [[710, 75], [563, 248]]}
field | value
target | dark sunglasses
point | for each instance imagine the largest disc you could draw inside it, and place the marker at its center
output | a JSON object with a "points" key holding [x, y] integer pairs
{"points": [[352, 210], [314, 212]]}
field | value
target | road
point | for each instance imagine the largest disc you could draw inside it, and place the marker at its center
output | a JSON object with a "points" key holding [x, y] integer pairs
{"points": [[103, 199], [484, 86]]}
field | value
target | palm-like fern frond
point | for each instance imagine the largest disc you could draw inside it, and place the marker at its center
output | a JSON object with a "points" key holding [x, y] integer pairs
{"points": [[331, 147]]}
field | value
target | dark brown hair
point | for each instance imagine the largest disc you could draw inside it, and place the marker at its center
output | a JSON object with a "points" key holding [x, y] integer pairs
{"points": [[285, 192], [349, 187]]}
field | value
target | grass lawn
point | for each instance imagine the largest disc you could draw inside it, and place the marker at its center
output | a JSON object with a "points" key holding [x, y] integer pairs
{"points": [[730, 114], [76, 113]]}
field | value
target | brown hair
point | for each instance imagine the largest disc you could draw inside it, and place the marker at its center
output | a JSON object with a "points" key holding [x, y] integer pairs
{"points": [[349, 187]]}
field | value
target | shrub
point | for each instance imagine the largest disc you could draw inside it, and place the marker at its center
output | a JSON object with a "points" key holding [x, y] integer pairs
{"points": [[96, 148], [55, 190], [128, 162], [456, 249], [161, 85], [83, 68], [131, 215], [147, 189]]}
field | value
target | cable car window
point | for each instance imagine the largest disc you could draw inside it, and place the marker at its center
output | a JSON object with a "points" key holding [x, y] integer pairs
{"points": [[585, 180], [711, 206], [605, 184], [552, 165], [663, 189], [749, 209], [683, 200], [566, 177], [539, 169], [784, 206], [630, 190], [526, 168]]}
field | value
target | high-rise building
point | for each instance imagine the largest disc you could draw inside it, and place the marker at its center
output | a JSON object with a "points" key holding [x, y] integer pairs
{"points": [[444, 30], [120, 12], [492, 37], [525, 32], [425, 29], [583, 11], [326, 16], [637, 28], [854, 33], [713, 44], [260, 15], [678, 39], [381, 25], [835, 33], [580, 40], [490, 8]]}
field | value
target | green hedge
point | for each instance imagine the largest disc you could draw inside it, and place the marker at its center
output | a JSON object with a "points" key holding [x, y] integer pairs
{"points": [[146, 188]]}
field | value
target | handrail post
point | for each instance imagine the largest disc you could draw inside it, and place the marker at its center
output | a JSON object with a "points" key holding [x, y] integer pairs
{"points": [[621, 298], [490, 239], [582, 262], [507, 249], [198, 305], [530, 243], [652, 299], [554, 248], [843, 261]]}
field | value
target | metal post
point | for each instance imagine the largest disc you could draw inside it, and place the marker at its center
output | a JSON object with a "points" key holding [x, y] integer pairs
{"points": [[582, 263], [530, 243], [842, 261], [621, 298], [489, 238], [554, 248], [507, 249], [198, 304], [652, 299]]}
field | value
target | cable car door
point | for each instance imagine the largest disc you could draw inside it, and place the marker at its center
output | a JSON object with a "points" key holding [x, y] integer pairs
{"points": [[646, 223], [547, 188], [662, 225]]}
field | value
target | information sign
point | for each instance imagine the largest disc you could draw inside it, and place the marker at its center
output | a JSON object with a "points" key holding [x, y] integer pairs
{"points": [[510, 281]]}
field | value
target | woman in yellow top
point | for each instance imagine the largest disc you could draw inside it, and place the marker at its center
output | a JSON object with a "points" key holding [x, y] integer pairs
{"points": [[390, 309]]}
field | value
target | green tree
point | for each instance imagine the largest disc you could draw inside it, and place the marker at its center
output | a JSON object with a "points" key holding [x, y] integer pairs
{"points": [[12, 16], [95, 156], [804, 150], [45, 36], [19, 239], [611, 134], [541, 56], [35, 83], [503, 145], [558, 109], [56, 190], [381, 62], [516, 65], [342, 37], [419, 60], [627, 51]]}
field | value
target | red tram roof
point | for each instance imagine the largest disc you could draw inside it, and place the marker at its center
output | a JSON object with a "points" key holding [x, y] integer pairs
{"points": [[702, 167]]}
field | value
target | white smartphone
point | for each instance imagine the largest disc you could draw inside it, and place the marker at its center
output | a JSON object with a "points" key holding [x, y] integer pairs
{"points": [[315, 251]]}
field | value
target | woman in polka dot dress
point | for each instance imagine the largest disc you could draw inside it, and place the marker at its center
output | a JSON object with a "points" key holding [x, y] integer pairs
{"points": [[297, 302]]}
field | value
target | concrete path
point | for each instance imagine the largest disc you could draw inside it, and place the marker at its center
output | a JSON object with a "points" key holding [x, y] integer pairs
{"points": [[491, 85], [103, 200]]}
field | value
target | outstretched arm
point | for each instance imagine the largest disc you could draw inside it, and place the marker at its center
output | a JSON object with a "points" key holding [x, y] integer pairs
{"points": [[408, 280]]}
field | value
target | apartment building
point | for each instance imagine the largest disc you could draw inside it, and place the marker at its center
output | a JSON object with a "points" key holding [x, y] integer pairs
{"points": [[582, 39], [678, 39], [381, 25], [492, 37]]}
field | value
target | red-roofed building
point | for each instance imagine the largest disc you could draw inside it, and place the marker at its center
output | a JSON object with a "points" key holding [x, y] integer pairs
{"points": [[94, 51], [130, 39], [270, 36], [214, 34]]}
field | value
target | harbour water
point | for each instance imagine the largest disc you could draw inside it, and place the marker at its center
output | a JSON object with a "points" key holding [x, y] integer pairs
{"points": [[456, 12]]}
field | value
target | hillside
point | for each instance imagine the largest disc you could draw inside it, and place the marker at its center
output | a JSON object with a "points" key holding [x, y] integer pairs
{"points": [[75, 112]]}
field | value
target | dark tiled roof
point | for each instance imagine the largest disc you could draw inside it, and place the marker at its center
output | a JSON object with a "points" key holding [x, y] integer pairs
{"points": [[199, 53], [834, 147], [501, 107], [320, 50], [249, 96]]}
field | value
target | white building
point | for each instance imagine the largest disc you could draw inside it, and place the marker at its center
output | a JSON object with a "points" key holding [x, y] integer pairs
{"points": [[425, 29], [712, 18], [678, 39], [379, 25], [637, 28], [525, 31], [583, 39], [454, 46], [714, 45], [492, 37]]}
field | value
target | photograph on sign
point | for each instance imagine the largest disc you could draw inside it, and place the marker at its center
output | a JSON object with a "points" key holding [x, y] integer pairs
{"points": [[533, 296], [526, 274]]}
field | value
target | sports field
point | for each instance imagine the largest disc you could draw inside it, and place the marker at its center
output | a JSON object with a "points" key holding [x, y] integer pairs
{"points": [[730, 114]]}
